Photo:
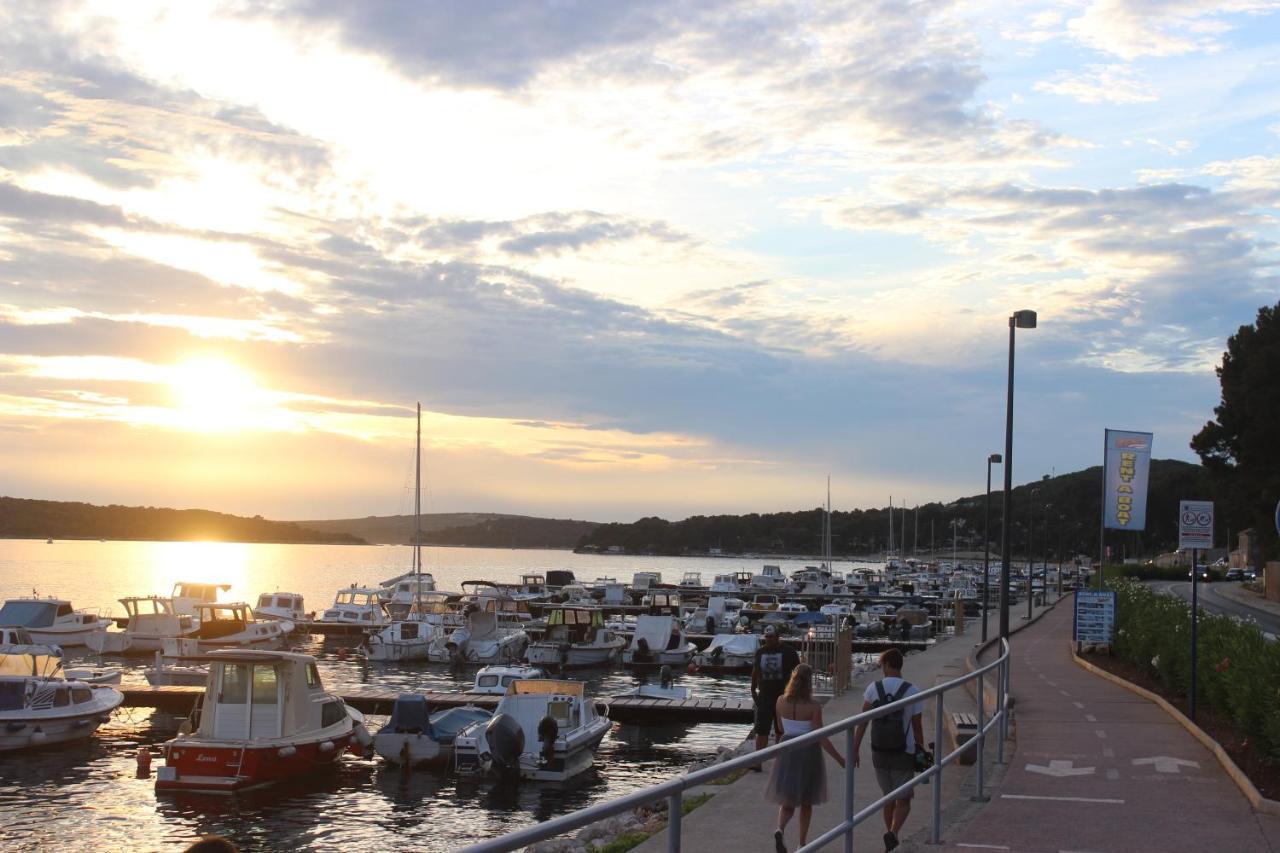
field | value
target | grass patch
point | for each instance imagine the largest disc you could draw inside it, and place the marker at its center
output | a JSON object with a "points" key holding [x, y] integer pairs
{"points": [[731, 778], [623, 842], [691, 803]]}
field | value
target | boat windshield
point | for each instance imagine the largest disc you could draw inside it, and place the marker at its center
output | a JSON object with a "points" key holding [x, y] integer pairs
{"points": [[33, 662], [12, 695], [28, 614]]}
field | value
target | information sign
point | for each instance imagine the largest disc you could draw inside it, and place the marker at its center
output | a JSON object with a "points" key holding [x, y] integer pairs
{"points": [[1095, 615], [1195, 525]]}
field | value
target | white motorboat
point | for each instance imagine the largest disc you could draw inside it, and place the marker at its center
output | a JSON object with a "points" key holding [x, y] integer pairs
{"points": [[481, 640], [280, 605], [227, 626], [38, 706], [729, 653], [575, 637], [720, 615], [770, 579], [265, 716], [542, 730], [410, 638], [692, 582], [52, 621], [150, 620], [811, 581], [359, 606], [658, 640], [405, 592], [724, 585], [187, 596], [494, 680], [414, 735], [94, 675]]}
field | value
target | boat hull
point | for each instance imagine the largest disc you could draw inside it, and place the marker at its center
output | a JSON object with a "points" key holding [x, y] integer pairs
{"points": [[549, 654], [414, 750], [231, 767], [77, 637], [35, 733]]}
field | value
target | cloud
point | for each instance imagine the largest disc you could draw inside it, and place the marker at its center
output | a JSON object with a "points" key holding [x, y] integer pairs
{"points": [[1134, 28], [1096, 84]]}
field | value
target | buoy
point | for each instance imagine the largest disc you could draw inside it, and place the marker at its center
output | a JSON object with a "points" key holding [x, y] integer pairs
{"points": [[692, 669], [144, 762], [326, 747], [287, 751]]}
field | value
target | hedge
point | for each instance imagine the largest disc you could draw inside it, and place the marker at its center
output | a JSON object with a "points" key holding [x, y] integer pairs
{"points": [[1238, 669]]}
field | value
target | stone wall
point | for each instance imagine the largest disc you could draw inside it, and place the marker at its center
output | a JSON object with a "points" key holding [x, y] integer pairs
{"points": [[1271, 581]]}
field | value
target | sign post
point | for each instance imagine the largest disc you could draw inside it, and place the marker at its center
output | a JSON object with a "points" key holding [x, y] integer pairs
{"points": [[1195, 531]]}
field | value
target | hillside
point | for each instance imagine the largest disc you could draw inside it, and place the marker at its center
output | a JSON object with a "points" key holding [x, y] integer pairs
{"points": [[488, 530], [1073, 499], [21, 518]]}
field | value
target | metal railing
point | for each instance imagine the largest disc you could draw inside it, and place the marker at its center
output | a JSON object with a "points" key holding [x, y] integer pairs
{"points": [[673, 789]]}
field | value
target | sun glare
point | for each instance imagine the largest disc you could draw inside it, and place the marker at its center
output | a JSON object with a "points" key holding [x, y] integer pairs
{"points": [[213, 395]]}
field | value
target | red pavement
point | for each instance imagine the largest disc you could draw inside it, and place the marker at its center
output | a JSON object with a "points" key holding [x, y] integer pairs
{"points": [[1097, 768]]}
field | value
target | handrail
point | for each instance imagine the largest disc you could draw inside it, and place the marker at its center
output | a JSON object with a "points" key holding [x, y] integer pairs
{"points": [[672, 789]]}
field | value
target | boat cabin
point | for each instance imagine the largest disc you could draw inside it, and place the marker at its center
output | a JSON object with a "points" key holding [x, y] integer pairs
{"points": [[152, 614], [281, 603], [258, 695], [691, 580], [573, 625], [659, 599], [34, 612], [221, 620], [15, 637], [642, 581]]}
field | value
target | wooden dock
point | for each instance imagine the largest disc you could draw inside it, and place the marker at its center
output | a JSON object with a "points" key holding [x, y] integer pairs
{"points": [[629, 709]]}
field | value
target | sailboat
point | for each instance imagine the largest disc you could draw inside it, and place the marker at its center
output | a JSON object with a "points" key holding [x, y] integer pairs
{"points": [[410, 638]]}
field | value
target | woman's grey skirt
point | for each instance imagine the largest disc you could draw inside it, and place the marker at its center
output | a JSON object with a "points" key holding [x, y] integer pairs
{"points": [[798, 778]]}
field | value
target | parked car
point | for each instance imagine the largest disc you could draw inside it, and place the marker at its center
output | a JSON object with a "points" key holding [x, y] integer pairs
{"points": [[1235, 574], [1251, 574]]}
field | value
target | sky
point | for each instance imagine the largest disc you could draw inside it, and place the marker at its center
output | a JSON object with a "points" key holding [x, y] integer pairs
{"points": [[633, 258]]}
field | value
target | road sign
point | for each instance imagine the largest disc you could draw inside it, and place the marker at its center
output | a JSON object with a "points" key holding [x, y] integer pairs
{"points": [[1095, 615], [1195, 525]]}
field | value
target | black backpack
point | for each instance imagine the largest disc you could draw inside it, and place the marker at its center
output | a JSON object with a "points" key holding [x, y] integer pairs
{"points": [[887, 732]]}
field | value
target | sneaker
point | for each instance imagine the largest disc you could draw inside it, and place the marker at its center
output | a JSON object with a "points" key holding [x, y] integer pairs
{"points": [[777, 842], [890, 841]]}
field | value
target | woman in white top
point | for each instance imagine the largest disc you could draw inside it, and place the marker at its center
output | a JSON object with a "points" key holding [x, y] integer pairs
{"points": [[798, 778]]}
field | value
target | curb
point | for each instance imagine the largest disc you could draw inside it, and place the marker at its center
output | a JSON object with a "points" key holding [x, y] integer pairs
{"points": [[1251, 793]]}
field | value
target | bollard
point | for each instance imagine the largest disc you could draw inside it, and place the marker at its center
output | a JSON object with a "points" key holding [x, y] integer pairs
{"points": [[675, 811]]}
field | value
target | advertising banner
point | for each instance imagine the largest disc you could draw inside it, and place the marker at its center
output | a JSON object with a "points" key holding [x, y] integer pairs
{"points": [[1126, 463], [1095, 616]]}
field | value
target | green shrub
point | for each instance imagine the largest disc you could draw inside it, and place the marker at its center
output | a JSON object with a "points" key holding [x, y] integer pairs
{"points": [[1237, 672], [623, 842]]}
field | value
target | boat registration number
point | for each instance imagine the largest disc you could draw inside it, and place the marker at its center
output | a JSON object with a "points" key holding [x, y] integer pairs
{"points": [[167, 774]]}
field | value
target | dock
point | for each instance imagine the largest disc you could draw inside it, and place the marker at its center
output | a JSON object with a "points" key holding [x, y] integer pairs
{"points": [[629, 709]]}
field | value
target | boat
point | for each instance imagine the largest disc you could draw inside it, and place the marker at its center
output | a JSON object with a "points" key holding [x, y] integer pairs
{"points": [[725, 585], [658, 640], [770, 579], [415, 736], [187, 596], [264, 717], [51, 621], [721, 615], [691, 581], [280, 605], [358, 606], [227, 626], [729, 653], [481, 640], [150, 619], [164, 672], [40, 707], [494, 680], [575, 637], [542, 730]]}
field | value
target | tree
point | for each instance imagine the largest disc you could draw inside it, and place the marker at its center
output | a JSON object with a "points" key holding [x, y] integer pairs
{"points": [[1241, 447]]}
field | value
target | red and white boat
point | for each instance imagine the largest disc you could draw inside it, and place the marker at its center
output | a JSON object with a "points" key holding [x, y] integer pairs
{"points": [[265, 716]]}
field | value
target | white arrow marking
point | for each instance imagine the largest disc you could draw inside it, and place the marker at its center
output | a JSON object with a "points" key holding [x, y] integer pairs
{"points": [[1165, 764], [1059, 769]]}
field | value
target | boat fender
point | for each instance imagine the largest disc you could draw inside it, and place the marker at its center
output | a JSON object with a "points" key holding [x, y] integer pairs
{"points": [[38, 736], [287, 751], [548, 731], [361, 735], [327, 747]]}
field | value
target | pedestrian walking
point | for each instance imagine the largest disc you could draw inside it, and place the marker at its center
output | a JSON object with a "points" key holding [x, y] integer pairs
{"points": [[799, 778], [770, 675], [895, 739]]}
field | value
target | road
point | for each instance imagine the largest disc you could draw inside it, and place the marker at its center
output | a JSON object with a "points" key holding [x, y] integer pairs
{"points": [[1214, 601]]}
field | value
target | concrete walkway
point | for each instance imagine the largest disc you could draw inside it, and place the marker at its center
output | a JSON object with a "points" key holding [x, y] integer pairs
{"points": [[739, 819], [1098, 768]]}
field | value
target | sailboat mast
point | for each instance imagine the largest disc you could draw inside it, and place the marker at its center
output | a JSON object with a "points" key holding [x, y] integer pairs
{"points": [[826, 542], [417, 514]]}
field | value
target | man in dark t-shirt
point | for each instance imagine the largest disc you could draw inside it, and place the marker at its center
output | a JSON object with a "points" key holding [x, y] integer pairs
{"points": [[769, 676]]}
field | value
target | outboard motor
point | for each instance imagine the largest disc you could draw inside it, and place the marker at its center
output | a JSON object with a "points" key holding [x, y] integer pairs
{"points": [[457, 646], [548, 731], [665, 677], [505, 740], [642, 653]]}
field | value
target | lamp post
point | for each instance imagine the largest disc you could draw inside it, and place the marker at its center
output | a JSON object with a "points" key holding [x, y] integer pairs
{"points": [[1062, 526], [1018, 320], [1031, 551], [993, 459]]}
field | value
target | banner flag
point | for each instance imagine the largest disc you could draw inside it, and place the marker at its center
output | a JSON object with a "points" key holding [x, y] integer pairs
{"points": [[1126, 465]]}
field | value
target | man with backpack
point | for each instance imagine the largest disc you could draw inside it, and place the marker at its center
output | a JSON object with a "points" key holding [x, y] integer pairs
{"points": [[895, 739]]}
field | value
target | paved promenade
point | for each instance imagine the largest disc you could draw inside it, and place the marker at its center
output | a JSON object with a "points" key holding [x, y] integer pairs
{"points": [[1098, 768], [738, 818]]}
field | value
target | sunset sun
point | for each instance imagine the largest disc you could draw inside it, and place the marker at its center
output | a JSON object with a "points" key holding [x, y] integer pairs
{"points": [[213, 395]]}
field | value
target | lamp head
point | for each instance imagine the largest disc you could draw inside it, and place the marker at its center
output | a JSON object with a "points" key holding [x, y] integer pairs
{"points": [[1024, 319], [995, 459]]}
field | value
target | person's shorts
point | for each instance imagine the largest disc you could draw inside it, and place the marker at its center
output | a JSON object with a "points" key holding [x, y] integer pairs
{"points": [[766, 710], [893, 770]]}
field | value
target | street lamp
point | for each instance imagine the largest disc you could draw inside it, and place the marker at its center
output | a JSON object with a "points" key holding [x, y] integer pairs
{"points": [[1062, 526], [1018, 320], [1031, 551], [993, 459]]}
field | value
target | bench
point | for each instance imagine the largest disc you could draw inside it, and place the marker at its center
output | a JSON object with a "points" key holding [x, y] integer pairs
{"points": [[962, 727]]}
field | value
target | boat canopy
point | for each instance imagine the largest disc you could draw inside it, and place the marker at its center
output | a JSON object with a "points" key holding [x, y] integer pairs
{"points": [[546, 687], [576, 616], [29, 660], [410, 714], [733, 644], [656, 631]]}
